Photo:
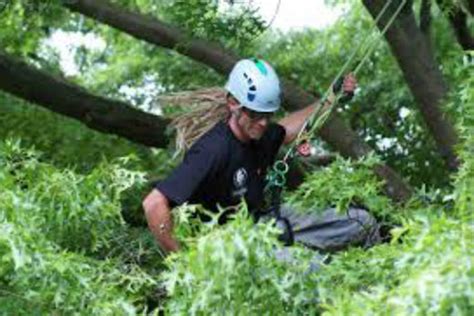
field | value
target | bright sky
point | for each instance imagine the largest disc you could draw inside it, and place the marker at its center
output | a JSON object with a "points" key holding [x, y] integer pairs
{"points": [[297, 14]]}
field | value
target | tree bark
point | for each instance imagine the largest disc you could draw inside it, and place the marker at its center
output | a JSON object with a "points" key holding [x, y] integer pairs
{"points": [[425, 18], [101, 114], [458, 20], [335, 132], [319, 161], [422, 74]]}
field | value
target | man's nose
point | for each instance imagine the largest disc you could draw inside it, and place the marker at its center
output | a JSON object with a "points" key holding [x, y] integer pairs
{"points": [[263, 122]]}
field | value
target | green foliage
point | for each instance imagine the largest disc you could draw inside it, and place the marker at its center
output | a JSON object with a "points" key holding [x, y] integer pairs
{"points": [[448, 6], [45, 214], [237, 27], [341, 184], [234, 270], [462, 102], [66, 143], [66, 283], [426, 270], [24, 23], [74, 201]]}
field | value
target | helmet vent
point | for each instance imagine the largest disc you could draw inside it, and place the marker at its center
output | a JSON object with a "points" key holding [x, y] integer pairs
{"points": [[249, 80]]}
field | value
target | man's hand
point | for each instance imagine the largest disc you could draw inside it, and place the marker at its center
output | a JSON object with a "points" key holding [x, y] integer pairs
{"points": [[348, 86]]}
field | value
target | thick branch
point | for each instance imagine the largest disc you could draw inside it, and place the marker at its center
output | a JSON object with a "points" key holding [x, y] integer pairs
{"points": [[101, 114], [335, 131], [156, 32], [425, 17], [458, 20], [426, 82], [319, 161]]}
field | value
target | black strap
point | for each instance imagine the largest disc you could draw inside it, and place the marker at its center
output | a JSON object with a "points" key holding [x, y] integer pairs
{"points": [[287, 236], [276, 201]]}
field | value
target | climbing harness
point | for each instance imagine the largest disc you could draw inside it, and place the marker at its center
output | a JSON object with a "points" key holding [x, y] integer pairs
{"points": [[276, 177]]}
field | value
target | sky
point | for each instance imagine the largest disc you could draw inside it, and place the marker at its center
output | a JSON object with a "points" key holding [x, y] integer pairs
{"points": [[297, 14], [286, 15]]}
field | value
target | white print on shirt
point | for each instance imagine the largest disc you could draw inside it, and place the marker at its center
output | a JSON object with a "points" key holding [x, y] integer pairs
{"points": [[240, 182]]}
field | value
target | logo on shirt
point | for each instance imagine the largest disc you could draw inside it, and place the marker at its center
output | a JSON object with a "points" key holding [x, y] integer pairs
{"points": [[240, 177], [240, 182]]}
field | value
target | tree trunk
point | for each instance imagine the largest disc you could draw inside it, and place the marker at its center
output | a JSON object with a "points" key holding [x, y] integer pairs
{"points": [[101, 114], [335, 131], [426, 82]]}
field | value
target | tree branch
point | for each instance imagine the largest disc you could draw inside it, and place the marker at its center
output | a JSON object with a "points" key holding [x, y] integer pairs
{"points": [[101, 114], [425, 17], [319, 160], [458, 20]]}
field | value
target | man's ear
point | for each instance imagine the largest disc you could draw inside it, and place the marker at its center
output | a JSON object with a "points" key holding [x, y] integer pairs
{"points": [[233, 105]]}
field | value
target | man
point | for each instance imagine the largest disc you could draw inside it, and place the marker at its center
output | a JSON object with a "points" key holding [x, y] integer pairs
{"points": [[230, 162]]}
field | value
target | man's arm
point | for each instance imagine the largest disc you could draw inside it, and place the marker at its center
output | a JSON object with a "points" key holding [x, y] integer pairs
{"points": [[294, 122], [158, 215]]}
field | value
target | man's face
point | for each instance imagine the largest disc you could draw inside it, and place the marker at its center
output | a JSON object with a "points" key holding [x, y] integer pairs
{"points": [[253, 124]]}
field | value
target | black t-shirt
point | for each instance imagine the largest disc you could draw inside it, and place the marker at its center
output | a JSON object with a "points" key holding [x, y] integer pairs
{"points": [[220, 169]]}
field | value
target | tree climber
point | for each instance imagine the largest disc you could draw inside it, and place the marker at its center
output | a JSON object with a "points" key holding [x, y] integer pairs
{"points": [[229, 163]]}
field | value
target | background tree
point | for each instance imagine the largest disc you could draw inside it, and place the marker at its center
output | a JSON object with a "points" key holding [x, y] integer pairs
{"points": [[416, 59]]}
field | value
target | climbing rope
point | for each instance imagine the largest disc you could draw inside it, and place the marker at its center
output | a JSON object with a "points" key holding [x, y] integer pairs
{"points": [[276, 178]]}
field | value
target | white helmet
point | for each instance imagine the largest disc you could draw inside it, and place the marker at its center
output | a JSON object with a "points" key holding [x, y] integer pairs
{"points": [[255, 84]]}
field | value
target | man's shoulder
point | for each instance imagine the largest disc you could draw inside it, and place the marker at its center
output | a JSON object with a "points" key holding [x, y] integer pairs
{"points": [[274, 133], [275, 128], [214, 141]]}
